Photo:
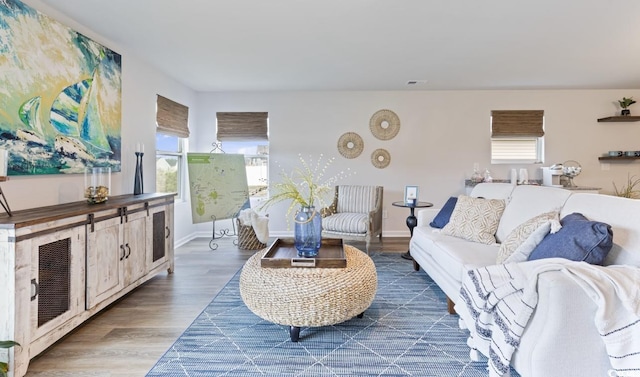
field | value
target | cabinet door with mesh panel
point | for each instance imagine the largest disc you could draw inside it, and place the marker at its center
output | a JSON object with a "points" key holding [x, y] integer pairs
{"points": [[160, 237], [57, 278]]}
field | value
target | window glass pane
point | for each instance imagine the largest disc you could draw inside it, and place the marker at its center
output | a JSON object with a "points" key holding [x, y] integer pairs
{"points": [[167, 143], [246, 147], [514, 150], [167, 173], [256, 156]]}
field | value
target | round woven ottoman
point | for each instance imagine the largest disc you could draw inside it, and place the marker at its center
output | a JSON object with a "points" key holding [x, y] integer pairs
{"points": [[309, 297]]}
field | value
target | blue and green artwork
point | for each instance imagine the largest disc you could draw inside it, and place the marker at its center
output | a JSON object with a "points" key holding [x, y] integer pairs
{"points": [[60, 96]]}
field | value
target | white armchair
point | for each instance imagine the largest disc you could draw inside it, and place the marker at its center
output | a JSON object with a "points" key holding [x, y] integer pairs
{"points": [[355, 214]]}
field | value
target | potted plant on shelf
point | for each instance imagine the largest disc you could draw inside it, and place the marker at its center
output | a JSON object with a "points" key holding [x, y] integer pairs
{"points": [[630, 189], [625, 103], [4, 366]]}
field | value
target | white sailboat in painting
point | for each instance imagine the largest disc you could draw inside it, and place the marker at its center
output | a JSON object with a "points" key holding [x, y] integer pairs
{"points": [[75, 115], [29, 114]]}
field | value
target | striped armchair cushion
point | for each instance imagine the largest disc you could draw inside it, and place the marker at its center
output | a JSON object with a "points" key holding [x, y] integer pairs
{"points": [[346, 223], [356, 199]]}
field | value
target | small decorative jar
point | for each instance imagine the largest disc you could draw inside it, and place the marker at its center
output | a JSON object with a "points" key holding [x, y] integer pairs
{"points": [[307, 232], [97, 183]]}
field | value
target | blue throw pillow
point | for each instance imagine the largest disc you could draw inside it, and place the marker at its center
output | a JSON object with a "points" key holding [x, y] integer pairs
{"points": [[442, 218], [579, 239]]}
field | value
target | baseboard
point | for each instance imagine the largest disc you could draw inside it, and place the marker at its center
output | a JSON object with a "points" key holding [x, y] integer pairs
{"points": [[182, 241]]}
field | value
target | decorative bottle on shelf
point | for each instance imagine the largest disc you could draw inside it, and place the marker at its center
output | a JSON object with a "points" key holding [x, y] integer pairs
{"points": [[487, 176], [476, 177], [514, 177]]}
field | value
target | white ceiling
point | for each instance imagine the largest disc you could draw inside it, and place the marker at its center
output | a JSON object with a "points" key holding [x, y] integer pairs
{"points": [[255, 45]]}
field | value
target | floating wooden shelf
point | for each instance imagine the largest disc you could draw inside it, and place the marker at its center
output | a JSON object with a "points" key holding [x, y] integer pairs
{"points": [[618, 158], [620, 118]]}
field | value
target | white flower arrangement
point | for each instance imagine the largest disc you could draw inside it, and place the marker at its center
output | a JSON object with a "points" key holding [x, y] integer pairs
{"points": [[306, 185]]}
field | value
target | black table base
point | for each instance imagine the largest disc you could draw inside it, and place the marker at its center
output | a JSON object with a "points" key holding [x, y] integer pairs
{"points": [[412, 220]]}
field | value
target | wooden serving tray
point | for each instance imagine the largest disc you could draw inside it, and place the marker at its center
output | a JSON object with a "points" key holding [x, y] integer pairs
{"points": [[283, 254]]}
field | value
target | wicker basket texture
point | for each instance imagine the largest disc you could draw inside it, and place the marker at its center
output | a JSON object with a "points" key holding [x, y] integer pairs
{"points": [[247, 239], [309, 297]]}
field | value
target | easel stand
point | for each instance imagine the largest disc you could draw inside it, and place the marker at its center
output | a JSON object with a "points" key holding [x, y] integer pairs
{"points": [[222, 233], [3, 199]]}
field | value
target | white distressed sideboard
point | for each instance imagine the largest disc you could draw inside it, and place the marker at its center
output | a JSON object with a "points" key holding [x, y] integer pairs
{"points": [[60, 265]]}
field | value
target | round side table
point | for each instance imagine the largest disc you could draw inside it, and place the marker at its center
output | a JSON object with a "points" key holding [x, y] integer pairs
{"points": [[412, 220]]}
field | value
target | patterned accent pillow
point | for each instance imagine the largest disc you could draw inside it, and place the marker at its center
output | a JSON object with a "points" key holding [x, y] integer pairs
{"points": [[521, 254], [522, 232], [475, 219]]}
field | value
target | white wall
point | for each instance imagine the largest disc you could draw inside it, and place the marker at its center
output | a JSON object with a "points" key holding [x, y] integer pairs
{"points": [[442, 134], [140, 84]]}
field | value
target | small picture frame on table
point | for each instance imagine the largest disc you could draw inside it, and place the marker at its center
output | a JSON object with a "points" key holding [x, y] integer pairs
{"points": [[410, 194]]}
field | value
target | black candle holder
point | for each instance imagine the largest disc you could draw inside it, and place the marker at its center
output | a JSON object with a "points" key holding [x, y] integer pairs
{"points": [[138, 181]]}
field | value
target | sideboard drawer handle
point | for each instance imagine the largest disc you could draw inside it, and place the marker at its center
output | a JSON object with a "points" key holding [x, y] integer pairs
{"points": [[35, 288]]}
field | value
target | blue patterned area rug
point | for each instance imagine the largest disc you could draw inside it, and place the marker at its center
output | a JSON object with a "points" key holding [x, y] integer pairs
{"points": [[406, 332]]}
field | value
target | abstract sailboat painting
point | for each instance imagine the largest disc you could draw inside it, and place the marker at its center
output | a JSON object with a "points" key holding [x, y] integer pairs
{"points": [[60, 96]]}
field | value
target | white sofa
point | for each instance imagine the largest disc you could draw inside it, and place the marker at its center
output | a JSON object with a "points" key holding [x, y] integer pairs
{"points": [[561, 338]]}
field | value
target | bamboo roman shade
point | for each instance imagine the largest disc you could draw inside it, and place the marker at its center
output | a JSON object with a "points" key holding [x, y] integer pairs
{"points": [[517, 123], [172, 118], [246, 126]]}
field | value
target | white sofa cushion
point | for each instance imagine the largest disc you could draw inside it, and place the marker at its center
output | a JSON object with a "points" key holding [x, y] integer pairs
{"points": [[475, 219], [454, 255], [492, 191], [529, 201], [622, 214]]}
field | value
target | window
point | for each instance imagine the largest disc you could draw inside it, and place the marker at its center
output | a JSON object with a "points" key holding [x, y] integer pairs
{"points": [[172, 121], [169, 162], [247, 133], [256, 157], [517, 136]]}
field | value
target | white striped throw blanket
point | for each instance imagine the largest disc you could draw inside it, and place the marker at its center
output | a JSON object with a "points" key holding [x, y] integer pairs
{"points": [[501, 299]]}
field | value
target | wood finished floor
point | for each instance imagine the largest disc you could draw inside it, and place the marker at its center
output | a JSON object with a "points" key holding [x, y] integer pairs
{"points": [[129, 337]]}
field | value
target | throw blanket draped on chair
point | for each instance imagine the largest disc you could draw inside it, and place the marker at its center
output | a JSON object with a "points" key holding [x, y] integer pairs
{"points": [[501, 299]]}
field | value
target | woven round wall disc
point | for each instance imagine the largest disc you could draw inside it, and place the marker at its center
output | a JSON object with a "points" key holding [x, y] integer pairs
{"points": [[384, 124], [380, 158], [350, 145]]}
